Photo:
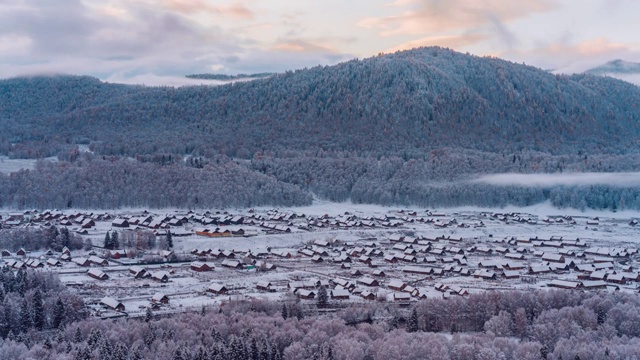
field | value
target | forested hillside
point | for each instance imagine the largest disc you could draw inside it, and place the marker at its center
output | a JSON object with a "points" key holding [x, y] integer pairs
{"points": [[115, 183], [615, 67], [410, 128], [406, 102]]}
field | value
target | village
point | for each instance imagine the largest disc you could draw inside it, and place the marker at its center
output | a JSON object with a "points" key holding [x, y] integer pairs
{"points": [[394, 256]]}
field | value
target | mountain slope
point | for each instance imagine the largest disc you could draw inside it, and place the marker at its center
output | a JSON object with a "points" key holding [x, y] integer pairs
{"points": [[615, 67], [404, 103]]}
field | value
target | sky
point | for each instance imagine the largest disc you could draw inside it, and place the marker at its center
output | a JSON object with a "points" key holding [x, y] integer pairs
{"points": [[157, 42]]}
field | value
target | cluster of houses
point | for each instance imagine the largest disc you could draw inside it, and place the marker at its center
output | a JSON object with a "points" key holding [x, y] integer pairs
{"points": [[443, 256], [156, 301], [77, 221], [402, 266], [21, 259], [422, 258], [148, 221]]}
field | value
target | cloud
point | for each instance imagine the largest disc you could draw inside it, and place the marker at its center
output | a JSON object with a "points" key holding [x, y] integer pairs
{"points": [[307, 45], [15, 44], [453, 41], [569, 58], [439, 16], [137, 41], [237, 11], [76, 36], [565, 179], [156, 80]]}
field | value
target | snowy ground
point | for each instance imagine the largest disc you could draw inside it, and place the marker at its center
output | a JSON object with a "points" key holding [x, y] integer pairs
{"points": [[187, 289], [12, 165]]}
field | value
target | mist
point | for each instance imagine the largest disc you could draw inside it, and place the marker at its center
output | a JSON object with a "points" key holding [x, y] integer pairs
{"points": [[624, 179]]}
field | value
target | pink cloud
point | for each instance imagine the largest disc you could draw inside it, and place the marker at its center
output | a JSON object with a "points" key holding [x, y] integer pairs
{"points": [[573, 58], [435, 16], [237, 11], [453, 41]]}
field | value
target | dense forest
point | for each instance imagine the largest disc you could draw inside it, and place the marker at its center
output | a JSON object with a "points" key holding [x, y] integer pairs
{"points": [[111, 183], [35, 302], [447, 179], [411, 128], [553, 324], [403, 103]]}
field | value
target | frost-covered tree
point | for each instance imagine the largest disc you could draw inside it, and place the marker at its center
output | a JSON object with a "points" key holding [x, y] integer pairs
{"points": [[412, 322], [37, 307], [58, 314], [322, 297]]}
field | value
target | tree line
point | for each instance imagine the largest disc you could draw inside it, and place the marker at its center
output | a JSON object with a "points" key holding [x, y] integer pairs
{"points": [[536, 324]]}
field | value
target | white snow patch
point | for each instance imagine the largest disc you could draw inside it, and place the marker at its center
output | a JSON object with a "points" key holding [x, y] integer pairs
{"points": [[621, 179]]}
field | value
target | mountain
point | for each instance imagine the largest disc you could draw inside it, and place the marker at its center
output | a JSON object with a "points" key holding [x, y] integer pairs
{"points": [[228, 77], [615, 67], [406, 103], [619, 69]]}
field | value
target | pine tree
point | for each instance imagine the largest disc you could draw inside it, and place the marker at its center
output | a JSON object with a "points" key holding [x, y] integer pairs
{"points": [[255, 352], [65, 236], [277, 355], [95, 336], [266, 352], [393, 322], [24, 338], [38, 310], [137, 354], [21, 282], [169, 240], [577, 357], [120, 352], [6, 322], [47, 343], [236, 348], [151, 337], [78, 336], [52, 234], [107, 241], [58, 314], [216, 336], [412, 324], [285, 311], [323, 298], [25, 317], [201, 354], [177, 355], [544, 352], [602, 315], [148, 316], [83, 354], [105, 350], [329, 355], [115, 242]]}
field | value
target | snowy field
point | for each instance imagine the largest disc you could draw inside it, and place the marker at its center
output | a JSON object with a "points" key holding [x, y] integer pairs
{"points": [[463, 250], [12, 165]]}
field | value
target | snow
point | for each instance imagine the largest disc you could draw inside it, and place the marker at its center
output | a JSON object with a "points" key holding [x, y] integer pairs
{"points": [[12, 165], [623, 179], [187, 289]]}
